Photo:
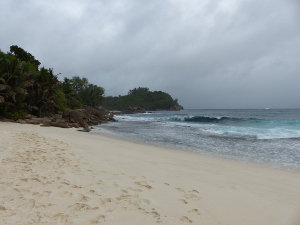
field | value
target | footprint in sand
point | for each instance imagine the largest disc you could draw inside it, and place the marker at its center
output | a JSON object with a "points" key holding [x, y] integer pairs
{"points": [[93, 192], [180, 189], [186, 219], [105, 201], [66, 194], [82, 207], [143, 184], [61, 218], [83, 198], [134, 189], [195, 211], [153, 213], [183, 201], [191, 197], [98, 220], [65, 182]]}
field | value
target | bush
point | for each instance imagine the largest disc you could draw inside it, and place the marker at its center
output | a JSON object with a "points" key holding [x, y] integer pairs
{"points": [[15, 115]]}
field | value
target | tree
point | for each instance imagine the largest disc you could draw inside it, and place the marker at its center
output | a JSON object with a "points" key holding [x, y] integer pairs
{"points": [[26, 88], [138, 91], [69, 92], [92, 95], [141, 97], [22, 55], [15, 78], [88, 94], [44, 92]]}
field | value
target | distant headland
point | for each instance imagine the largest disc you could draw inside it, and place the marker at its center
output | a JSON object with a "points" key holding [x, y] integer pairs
{"points": [[139, 99]]}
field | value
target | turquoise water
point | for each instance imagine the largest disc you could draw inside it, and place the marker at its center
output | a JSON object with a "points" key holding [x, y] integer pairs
{"points": [[269, 137]]}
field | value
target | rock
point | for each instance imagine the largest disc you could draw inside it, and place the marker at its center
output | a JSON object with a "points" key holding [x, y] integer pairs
{"points": [[21, 121], [66, 113], [134, 110], [63, 125], [177, 107], [29, 121], [28, 116], [84, 117], [60, 120], [93, 122], [75, 125], [101, 108], [36, 120], [57, 116], [8, 120], [45, 121], [83, 124], [45, 125], [86, 130], [77, 115], [54, 124]]}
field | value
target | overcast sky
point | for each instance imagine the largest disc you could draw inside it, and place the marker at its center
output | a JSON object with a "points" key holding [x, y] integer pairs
{"points": [[206, 53]]}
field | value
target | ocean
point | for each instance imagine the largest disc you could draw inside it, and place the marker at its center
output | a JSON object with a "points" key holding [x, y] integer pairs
{"points": [[262, 136]]}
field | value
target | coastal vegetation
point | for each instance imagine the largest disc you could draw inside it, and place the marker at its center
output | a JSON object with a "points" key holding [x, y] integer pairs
{"points": [[142, 97], [27, 88]]}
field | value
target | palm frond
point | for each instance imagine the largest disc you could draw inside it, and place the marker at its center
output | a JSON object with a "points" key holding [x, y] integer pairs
{"points": [[20, 90], [8, 104], [26, 83], [3, 87], [11, 94], [2, 99], [2, 80]]}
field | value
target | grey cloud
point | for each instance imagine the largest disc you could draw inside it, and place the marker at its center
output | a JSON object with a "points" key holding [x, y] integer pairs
{"points": [[208, 54]]}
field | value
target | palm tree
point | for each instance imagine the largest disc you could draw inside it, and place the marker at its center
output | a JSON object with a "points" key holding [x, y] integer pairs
{"points": [[44, 91], [15, 78], [70, 95]]}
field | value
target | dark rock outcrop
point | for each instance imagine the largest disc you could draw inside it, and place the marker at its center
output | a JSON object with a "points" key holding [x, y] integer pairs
{"points": [[134, 110], [84, 117], [176, 108]]}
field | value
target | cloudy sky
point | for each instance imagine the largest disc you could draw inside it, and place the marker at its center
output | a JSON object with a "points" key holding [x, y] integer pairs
{"points": [[206, 53]]}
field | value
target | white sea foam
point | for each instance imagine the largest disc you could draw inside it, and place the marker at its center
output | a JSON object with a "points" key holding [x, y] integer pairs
{"points": [[256, 136]]}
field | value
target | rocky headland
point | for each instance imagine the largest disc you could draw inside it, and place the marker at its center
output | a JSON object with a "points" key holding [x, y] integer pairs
{"points": [[83, 117]]}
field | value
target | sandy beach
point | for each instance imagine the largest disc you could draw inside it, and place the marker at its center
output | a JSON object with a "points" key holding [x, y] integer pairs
{"points": [[61, 176]]}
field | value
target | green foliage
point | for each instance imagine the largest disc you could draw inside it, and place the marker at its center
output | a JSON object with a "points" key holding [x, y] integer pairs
{"points": [[22, 55], [43, 92], [26, 88], [16, 114], [88, 94], [142, 97], [60, 100], [15, 78], [138, 91], [72, 98]]}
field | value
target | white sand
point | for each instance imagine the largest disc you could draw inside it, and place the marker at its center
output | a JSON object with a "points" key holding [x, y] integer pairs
{"points": [[62, 176]]}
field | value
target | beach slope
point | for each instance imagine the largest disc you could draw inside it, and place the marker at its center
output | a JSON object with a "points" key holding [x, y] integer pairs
{"points": [[62, 176]]}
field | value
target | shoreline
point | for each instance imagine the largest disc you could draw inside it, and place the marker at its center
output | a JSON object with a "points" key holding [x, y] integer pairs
{"points": [[112, 135], [62, 176]]}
